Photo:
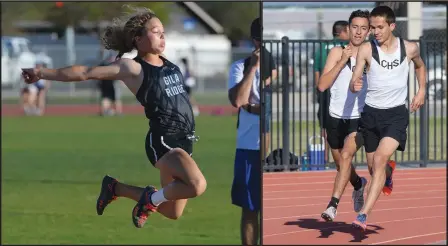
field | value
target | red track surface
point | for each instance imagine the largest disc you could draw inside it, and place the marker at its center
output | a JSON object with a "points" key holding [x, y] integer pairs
{"points": [[16, 110], [415, 212]]}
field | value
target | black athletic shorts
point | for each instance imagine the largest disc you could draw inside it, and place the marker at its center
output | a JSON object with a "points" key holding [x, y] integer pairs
{"points": [[376, 124], [339, 129], [157, 145]]}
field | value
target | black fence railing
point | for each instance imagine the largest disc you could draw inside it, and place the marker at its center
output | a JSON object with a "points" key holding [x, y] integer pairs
{"points": [[294, 104]]}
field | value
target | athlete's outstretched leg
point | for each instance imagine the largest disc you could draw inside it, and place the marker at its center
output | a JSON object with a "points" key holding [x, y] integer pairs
{"points": [[389, 170], [386, 148], [330, 212], [346, 172], [188, 182], [114, 189], [169, 206], [369, 159], [384, 151]]}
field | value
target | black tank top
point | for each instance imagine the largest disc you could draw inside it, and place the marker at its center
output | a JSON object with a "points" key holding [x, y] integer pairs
{"points": [[166, 103]]}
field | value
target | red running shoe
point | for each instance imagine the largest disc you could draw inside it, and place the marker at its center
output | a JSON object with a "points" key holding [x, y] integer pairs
{"points": [[389, 185]]}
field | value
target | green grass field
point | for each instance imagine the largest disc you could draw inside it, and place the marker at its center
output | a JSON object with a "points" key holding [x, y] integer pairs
{"points": [[53, 167], [436, 142]]}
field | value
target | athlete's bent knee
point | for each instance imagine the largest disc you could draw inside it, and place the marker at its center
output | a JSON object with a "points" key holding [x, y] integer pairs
{"points": [[199, 186], [197, 182]]}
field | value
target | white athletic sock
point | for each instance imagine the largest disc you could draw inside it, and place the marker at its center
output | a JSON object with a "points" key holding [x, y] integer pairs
{"points": [[157, 197]]}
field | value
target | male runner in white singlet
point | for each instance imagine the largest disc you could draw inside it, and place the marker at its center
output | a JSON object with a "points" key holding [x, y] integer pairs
{"points": [[385, 117], [344, 113]]}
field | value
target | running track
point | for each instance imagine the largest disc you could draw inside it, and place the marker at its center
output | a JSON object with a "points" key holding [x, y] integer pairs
{"points": [[415, 212]]}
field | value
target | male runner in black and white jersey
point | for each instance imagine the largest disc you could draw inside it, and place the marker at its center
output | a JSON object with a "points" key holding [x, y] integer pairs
{"points": [[158, 85], [385, 117], [344, 112]]}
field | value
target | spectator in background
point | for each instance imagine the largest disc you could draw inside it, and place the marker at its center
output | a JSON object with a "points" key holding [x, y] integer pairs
{"points": [[340, 37], [110, 93], [34, 95], [190, 82], [244, 94], [42, 94]]}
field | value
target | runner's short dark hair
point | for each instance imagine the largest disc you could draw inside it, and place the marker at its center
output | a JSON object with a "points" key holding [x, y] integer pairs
{"points": [[384, 11], [359, 14]]}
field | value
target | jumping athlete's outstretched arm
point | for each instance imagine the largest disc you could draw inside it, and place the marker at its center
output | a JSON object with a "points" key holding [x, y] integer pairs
{"points": [[420, 70], [121, 69], [361, 60], [124, 69], [336, 60]]}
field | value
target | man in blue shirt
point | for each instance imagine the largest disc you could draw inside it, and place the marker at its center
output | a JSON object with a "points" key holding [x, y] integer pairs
{"points": [[244, 94]]}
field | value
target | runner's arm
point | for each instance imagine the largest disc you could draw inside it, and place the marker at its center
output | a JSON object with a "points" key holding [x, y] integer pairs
{"points": [[420, 67], [333, 66], [361, 59]]}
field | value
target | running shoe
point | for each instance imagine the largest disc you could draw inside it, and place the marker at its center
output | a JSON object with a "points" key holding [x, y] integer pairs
{"points": [[107, 194], [358, 196], [360, 222], [329, 214], [143, 208], [389, 185]]}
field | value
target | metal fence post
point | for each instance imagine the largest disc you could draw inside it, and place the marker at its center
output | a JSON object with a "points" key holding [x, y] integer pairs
{"points": [[424, 115], [263, 112], [285, 103]]}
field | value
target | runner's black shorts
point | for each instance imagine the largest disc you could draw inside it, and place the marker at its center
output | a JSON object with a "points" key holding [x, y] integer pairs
{"points": [[375, 124], [339, 129]]}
